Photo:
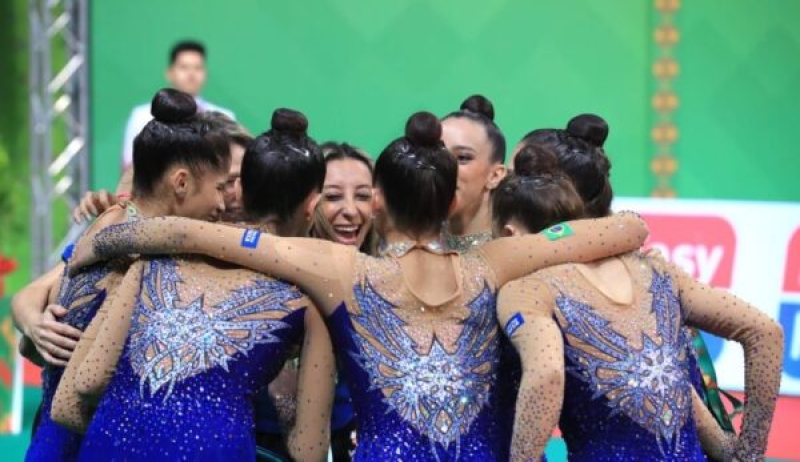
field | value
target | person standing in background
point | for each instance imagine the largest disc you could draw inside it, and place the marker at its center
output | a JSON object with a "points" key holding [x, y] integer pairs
{"points": [[187, 73]]}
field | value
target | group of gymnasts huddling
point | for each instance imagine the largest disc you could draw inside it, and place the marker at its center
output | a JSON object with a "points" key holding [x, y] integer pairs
{"points": [[444, 308]]}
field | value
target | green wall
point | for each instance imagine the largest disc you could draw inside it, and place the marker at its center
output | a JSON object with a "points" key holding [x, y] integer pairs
{"points": [[738, 87], [358, 68]]}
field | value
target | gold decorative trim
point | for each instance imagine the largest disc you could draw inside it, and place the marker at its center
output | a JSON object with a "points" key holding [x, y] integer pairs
{"points": [[665, 101]]}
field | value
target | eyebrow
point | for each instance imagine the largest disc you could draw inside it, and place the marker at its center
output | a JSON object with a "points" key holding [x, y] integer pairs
{"points": [[461, 147]]}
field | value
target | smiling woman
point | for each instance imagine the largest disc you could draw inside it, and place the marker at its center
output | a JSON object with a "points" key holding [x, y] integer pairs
{"points": [[344, 214]]}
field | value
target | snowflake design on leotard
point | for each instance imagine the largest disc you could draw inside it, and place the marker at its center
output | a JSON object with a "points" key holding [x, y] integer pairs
{"points": [[81, 295], [650, 385], [438, 392], [171, 341]]}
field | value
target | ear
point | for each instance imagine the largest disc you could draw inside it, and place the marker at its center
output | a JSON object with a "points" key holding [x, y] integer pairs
{"points": [[454, 205], [510, 230], [498, 172], [313, 201], [378, 202], [180, 180]]}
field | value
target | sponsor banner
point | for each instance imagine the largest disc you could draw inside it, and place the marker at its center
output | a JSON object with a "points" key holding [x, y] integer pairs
{"points": [[749, 248]]}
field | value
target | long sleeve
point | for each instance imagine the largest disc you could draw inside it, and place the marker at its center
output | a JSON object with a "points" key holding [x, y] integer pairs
{"points": [[70, 406], [100, 362], [717, 444], [726, 315], [310, 437], [580, 241], [318, 267], [525, 310]]}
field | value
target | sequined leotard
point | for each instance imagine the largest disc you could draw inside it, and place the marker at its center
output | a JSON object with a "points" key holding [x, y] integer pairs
{"points": [[203, 340], [421, 373], [82, 295], [617, 373]]}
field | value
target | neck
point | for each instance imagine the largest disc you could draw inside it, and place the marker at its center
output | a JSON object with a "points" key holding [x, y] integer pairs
{"points": [[151, 207], [473, 221], [399, 236], [271, 225]]}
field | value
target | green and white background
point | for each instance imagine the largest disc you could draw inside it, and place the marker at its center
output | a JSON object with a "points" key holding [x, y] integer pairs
{"points": [[358, 68]]}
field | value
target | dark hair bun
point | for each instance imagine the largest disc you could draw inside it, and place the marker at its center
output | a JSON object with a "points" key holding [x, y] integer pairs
{"points": [[590, 128], [289, 121], [424, 129], [479, 104], [172, 106], [535, 160]]}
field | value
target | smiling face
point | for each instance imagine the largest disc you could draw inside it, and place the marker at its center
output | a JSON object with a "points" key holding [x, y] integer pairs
{"points": [[346, 202]]}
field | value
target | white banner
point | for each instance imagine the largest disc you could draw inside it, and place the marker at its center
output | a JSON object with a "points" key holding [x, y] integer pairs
{"points": [[749, 248]]}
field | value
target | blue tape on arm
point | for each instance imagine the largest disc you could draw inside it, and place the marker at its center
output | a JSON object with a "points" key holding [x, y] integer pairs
{"points": [[67, 254], [514, 323], [250, 238]]}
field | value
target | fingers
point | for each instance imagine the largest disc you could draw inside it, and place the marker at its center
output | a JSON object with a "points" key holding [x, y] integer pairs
{"points": [[92, 205], [52, 360], [57, 310], [59, 337]]}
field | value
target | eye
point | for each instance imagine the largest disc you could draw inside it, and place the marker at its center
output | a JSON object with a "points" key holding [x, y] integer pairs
{"points": [[463, 158], [333, 197], [364, 197]]}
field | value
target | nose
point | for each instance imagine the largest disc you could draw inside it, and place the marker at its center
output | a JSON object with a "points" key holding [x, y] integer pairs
{"points": [[221, 202], [349, 209]]}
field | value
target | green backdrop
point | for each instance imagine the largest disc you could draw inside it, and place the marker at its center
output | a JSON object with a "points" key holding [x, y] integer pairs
{"points": [[358, 68]]}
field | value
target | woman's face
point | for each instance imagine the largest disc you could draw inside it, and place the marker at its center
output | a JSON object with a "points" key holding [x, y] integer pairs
{"points": [[201, 196], [346, 201], [468, 143], [233, 186]]}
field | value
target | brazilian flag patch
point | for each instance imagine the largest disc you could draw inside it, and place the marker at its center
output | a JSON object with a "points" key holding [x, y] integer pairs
{"points": [[558, 231]]}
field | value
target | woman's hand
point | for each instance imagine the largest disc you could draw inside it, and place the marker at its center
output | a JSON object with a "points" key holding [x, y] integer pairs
{"points": [[93, 204], [53, 339]]}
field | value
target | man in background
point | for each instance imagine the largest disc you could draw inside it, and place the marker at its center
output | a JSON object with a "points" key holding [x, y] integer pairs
{"points": [[187, 73]]}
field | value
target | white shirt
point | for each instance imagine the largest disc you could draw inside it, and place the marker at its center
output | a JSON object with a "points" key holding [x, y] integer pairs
{"points": [[139, 117]]}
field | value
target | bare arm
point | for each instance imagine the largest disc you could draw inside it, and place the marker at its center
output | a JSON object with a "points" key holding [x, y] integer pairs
{"points": [[310, 437], [580, 241], [45, 339], [525, 311], [30, 302]]}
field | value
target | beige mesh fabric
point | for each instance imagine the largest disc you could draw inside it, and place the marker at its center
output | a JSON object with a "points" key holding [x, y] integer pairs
{"points": [[627, 306]]}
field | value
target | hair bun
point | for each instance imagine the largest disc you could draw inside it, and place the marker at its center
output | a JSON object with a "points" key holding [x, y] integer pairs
{"points": [[590, 128], [172, 106], [535, 160], [289, 121], [424, 129], [479, 104]]}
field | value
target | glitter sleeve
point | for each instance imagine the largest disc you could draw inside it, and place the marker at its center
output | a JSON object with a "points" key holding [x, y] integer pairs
{"points": [[321, 268], [717, 444], [309, 438], [577, 241], [95, 357], [525, 311], [723, 314]]}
